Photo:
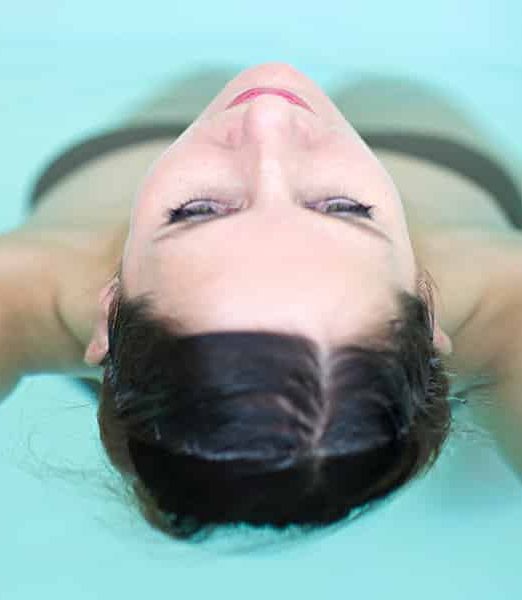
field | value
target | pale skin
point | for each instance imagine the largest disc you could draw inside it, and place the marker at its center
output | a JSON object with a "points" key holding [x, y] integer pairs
{"points": [[273, 263]]}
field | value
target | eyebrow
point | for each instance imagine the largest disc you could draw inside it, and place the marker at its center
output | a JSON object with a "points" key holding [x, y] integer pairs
{"points": [[360, 223]]}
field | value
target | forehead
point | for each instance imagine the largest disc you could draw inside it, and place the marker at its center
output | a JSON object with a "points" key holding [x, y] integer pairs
{"points": [[287, 283]]}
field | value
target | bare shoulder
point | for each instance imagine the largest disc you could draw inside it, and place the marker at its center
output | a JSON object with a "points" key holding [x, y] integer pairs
{"points": [[504, 303], [502, 346], [487, 347], [478, 274], [36, 270]]}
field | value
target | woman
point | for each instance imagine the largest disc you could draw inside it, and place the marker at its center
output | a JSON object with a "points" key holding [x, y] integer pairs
{"points": [[273, 303]]}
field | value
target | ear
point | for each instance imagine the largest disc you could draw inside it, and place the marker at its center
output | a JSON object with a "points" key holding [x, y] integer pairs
{"points": [[99, 344], [441, 339]]}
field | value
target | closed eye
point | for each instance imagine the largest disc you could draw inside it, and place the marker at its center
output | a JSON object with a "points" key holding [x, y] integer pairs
{"points": [[197, 207], [364, 225]]}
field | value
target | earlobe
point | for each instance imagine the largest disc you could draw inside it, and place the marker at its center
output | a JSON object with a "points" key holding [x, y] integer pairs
{"points": [[441, 340], [99, 343], [94, 353]]}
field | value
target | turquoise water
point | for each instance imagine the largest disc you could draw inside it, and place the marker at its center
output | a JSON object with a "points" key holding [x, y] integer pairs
{"points": [[69, 69]]}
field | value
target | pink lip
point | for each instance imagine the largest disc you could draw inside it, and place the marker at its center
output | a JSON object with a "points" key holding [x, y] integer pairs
{"points": [[254, 92]]}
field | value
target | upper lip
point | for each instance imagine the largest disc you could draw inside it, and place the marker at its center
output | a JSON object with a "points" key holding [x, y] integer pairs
{"points": [[256, 91]]}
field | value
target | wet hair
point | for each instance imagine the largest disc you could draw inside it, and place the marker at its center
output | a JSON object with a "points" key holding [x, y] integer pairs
{"points": [[266, 428]]}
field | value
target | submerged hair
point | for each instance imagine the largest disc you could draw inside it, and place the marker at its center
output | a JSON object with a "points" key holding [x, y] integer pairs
{"points": [[264, 427]]}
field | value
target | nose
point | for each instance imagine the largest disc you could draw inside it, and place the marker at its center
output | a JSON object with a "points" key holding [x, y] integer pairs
{"points": [[273, 122], [273, 134]]}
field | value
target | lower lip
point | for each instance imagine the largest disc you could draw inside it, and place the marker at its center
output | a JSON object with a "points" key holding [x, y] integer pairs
{"points": [[254, 92]]}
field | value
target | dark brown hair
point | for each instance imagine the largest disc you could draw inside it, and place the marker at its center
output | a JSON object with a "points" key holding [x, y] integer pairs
{"points": [[260, 427]]}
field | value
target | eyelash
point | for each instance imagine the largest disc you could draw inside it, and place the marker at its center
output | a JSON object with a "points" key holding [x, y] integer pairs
{"points": [[182, 213]]}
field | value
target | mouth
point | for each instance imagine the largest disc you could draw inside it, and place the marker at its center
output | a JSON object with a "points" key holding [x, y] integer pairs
{"points": [[252, 93]]}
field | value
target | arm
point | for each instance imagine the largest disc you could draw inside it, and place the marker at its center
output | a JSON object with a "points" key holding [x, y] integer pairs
{"points": [[502, 415], [503, 418], [33, 337], [10, 372]]}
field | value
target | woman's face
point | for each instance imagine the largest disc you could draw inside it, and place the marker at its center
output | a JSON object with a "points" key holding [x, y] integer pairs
{"points": [[270, 252]]}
